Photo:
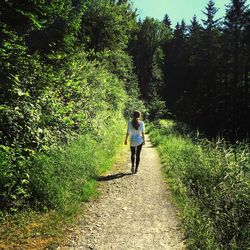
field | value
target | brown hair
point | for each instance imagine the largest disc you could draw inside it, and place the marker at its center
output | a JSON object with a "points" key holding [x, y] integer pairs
{"points": [[135, 123]]}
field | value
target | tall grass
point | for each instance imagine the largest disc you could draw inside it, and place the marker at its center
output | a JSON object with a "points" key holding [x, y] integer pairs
{"points": [[210, 181], [59, 181], [64, 177]]}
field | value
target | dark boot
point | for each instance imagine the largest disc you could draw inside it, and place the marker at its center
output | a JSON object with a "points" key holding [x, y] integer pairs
{"points": [[133, 169], [136, 169]]}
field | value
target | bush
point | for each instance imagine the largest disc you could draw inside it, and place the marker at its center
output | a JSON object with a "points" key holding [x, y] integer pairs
{"points": [[84, 103], [62, 177], [62, 90], [59, 178]]}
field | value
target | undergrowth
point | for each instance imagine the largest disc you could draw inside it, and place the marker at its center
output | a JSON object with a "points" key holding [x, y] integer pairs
{"points": [[210, 182], [59, 182]]}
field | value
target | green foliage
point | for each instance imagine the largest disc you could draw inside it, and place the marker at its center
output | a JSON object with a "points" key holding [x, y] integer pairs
{"points": [[57, 116], [59, 181], [156, 108], [58, 101], [146, 48], [148, 55], [119, 63], [107, 25], [63, 176], [14, 178], [211, 183]]}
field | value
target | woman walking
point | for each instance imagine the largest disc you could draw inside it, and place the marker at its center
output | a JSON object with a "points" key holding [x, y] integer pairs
{"points": [[135, 131]]}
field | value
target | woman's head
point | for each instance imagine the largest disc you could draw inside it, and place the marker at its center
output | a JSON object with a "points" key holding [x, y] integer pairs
{"points": [[136, 117], [136, 114]]}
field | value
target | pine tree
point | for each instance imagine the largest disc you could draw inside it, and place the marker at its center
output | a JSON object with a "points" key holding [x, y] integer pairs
{"points": [[210, 22], [167, 21], [175, 68], [235, 26], [191, 95], [195, 25], [210, 51]]}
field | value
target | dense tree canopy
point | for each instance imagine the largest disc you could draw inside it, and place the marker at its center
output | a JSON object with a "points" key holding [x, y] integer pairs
{"points": [[206, 69]]}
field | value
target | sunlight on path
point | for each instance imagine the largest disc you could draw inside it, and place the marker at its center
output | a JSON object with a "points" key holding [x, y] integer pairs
{"points": [[134, 211]]}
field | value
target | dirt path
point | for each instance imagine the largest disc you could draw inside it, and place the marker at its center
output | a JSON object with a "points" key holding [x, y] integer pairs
{"points": [[134, 211]]}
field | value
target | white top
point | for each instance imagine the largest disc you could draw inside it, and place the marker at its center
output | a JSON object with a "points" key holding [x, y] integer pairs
{"points": [[136, 134]]}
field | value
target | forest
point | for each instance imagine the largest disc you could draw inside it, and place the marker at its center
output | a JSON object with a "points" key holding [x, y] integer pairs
{"points": [[198, 73], [72, 72]]}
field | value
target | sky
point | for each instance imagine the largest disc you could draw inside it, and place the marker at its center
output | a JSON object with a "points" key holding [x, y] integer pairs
{"points": [[176, 9]]}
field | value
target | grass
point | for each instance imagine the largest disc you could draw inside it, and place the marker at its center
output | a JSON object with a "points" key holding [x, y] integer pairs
{"points": [[210, 182], [60, 182]]}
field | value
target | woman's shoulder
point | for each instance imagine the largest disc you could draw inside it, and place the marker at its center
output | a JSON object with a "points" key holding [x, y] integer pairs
{"points": [[130, 123]]}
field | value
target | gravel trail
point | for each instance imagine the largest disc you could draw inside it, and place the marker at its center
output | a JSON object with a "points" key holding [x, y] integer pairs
{"points": [[133, 211]]}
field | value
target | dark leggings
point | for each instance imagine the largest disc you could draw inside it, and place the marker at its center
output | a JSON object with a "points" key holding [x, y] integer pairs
{"points": [[135, 151]]}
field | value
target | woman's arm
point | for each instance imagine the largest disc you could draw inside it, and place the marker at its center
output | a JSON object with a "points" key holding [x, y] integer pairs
{"points": [[127, 135], [126, 139], [143, 137]]}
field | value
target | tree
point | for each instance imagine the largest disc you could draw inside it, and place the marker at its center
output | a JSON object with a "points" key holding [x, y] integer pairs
{"points": [[210, 48], [156, 104], [237, 64], [150, 37], [107, 25], [167, 21], [51, 89], [210, 22], [175, 68]]}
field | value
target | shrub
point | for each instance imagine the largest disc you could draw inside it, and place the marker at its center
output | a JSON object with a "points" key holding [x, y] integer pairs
{"points": [[62, 177]]}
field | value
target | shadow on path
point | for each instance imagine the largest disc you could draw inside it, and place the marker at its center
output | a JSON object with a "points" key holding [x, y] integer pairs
{"points": [[112, 177]]}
